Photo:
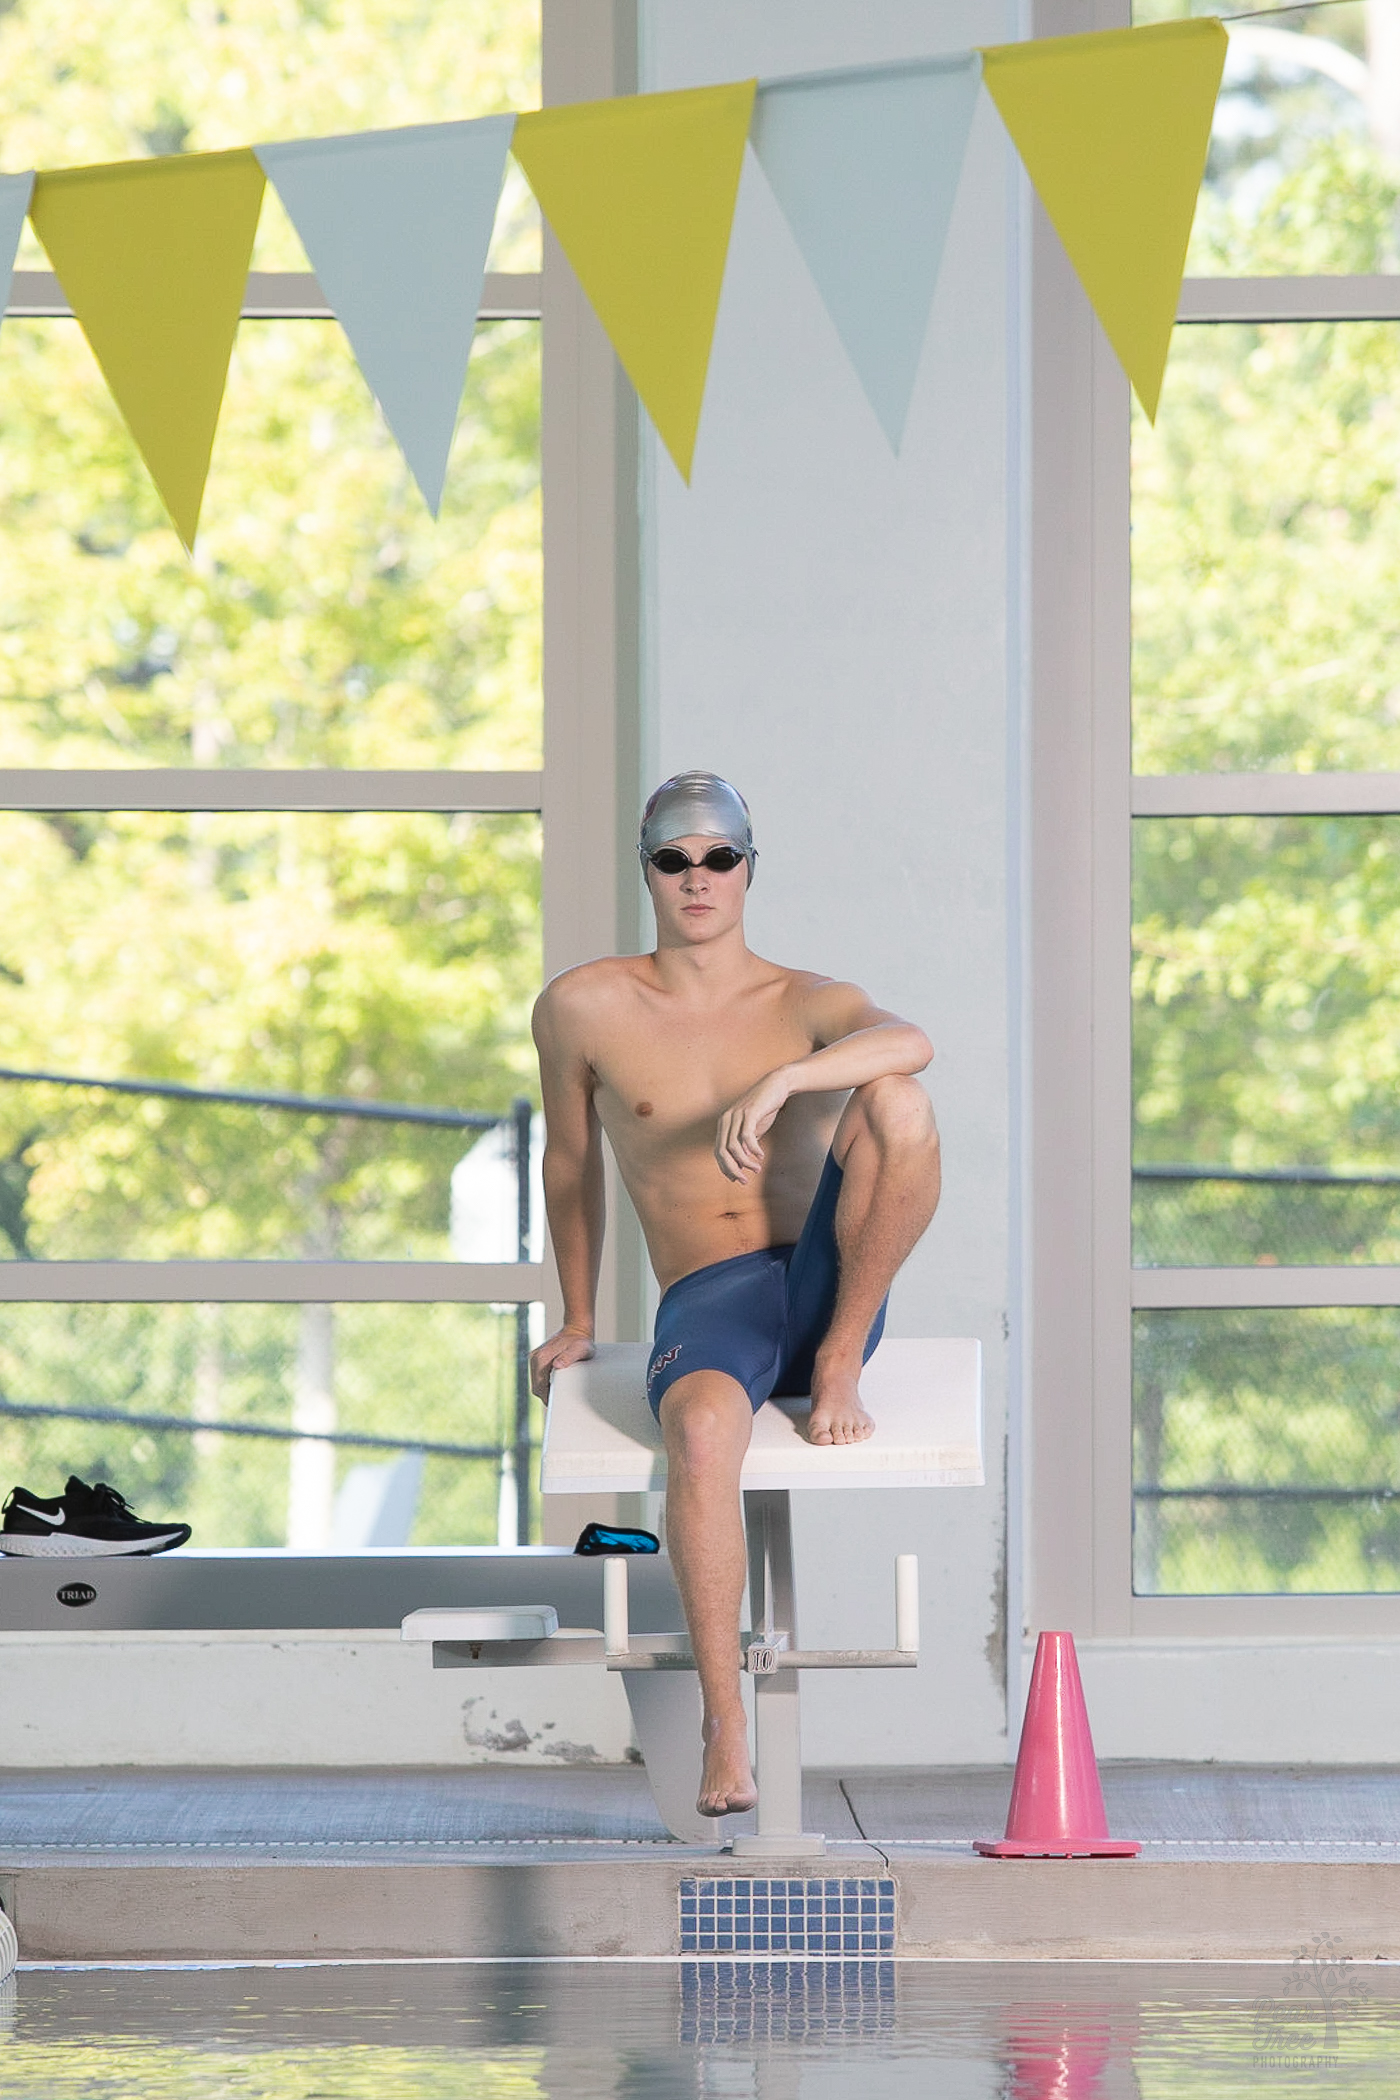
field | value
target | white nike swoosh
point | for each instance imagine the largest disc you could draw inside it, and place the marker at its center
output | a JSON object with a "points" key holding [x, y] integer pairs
{"points": [[23, 1508]]}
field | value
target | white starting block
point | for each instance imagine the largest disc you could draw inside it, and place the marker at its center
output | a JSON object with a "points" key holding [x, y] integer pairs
{"points": [[601, 1437]]}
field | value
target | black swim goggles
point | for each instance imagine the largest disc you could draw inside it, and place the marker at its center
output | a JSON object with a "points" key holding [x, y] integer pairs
{"points": [[720, 860]]}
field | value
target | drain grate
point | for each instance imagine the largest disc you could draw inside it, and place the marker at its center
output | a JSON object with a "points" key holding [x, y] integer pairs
{"points": [[846, 1915]]}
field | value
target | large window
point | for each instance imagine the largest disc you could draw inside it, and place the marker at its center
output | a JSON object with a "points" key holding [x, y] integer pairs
{"points": [[1266, 861], [269, 843]]}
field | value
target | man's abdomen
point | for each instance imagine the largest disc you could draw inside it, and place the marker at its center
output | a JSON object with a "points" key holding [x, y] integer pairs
{"points": [[710, 1219]]}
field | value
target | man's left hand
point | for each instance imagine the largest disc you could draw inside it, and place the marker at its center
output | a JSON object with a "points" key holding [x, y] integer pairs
{"points": [[737, 1146]]}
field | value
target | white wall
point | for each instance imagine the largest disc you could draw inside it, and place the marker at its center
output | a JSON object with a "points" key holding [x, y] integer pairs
{"points": [[291, 1699], [828, 625], [1244, 1700]]}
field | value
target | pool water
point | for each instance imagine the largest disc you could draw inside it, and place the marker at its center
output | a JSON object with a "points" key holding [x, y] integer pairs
{"points": [[713, 2030]]}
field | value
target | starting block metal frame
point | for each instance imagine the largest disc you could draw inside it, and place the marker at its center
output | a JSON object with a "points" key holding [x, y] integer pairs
{"points": [[600, 1436]]}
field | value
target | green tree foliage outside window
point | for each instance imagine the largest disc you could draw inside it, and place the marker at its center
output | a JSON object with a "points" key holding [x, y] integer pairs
{"points": [[325, 620], [1266, 581]]}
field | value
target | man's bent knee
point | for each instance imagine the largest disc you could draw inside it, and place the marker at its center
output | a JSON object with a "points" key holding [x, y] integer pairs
{"points": [[706, 1420], [893, 1111]]}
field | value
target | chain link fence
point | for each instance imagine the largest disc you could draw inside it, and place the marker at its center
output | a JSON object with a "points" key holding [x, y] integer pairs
{"points": [[1266, 1450], [1202, 1218]]}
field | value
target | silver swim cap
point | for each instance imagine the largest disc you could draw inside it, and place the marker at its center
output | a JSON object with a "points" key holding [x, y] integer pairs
{"points": [[697, 805]]}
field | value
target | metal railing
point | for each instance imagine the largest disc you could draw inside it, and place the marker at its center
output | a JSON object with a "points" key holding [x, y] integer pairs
{"points": [[1209, 1217], [196, 1425], [518, 1117], [1313, 1177], [1233, 1491], [301, 1104]]}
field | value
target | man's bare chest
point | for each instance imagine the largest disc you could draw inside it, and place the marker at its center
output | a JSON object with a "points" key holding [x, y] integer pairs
{"points": [[663, 1077]]}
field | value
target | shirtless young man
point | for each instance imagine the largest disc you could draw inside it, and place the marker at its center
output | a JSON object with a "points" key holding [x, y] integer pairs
{"points": [[783, 1161]]}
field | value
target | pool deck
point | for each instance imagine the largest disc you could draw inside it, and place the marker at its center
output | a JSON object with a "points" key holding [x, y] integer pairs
{"points": [[1238, 1863]]}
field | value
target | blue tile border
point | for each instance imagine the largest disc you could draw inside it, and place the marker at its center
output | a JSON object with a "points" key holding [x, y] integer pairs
{"points": [[852, 1916]]}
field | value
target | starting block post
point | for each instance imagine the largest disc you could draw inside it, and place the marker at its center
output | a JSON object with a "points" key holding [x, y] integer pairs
{"points": [[777, 1716]]}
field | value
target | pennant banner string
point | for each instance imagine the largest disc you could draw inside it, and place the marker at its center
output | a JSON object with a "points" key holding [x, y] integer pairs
{"points": [[1300, 7], [640, 191], [883, 69]]}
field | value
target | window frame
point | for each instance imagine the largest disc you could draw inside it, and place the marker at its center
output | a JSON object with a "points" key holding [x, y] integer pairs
{"points": [[1083, 1290]]}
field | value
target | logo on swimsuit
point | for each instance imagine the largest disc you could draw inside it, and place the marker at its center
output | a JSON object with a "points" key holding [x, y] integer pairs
{"points": [[667, 1356]]}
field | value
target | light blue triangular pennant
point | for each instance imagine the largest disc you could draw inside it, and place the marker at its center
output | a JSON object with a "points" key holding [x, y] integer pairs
{"points": [[396, 225], [15, 192], [866, 166]]}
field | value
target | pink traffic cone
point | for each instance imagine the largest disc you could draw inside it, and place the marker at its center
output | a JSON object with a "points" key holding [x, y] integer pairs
{"points": [[1057, 1807]]}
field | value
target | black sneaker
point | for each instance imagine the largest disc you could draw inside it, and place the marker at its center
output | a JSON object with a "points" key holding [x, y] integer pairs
{"points": [[81, 1522]]}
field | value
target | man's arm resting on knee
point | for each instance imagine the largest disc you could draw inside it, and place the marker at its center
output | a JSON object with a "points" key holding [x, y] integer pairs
{"points": [[854, 1042], [573, 1186]]}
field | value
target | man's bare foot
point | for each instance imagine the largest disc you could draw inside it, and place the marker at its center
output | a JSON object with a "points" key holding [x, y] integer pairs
{"points": [[726, 1784], [837, 1415]]}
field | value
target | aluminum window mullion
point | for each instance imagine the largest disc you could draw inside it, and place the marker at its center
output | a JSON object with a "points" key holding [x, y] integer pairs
{"points": [[1070, 570], [181, 1282], [1206, 1289], [1218, 299], [179, 788], [283, 295], [1266, 794]]}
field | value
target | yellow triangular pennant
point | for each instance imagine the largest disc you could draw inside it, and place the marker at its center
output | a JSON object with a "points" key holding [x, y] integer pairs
{"points": [[641, 192], [1113, 129], [153, 255]]}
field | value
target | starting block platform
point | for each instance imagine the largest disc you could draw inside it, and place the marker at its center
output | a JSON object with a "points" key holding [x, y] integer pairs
{"points": [[600, 1436]]}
